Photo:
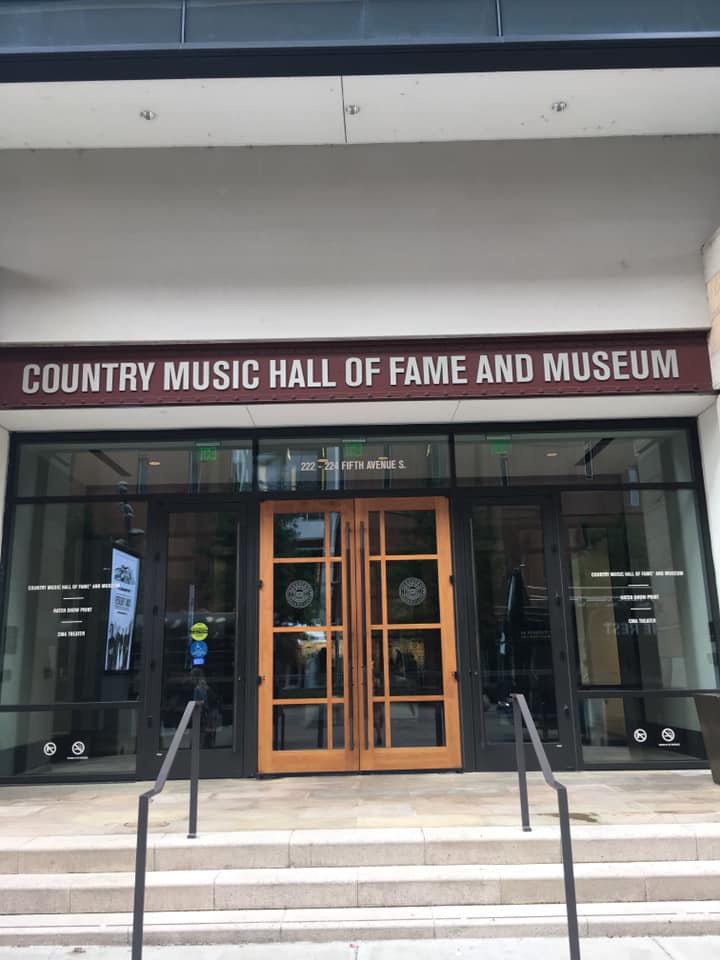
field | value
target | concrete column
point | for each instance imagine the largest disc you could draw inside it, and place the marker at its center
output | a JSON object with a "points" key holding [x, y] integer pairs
{"points": [[711, 259]]}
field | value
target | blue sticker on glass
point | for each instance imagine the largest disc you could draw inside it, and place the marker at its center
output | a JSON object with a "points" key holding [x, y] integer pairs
{"points": [[198, 661], [198, 648]]}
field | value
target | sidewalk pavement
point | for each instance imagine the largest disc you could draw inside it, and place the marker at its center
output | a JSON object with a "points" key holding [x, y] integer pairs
{"points": [[620, 948]]}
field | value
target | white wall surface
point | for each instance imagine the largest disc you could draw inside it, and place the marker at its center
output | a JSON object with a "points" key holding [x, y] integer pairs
{"points": [[305, 242]]}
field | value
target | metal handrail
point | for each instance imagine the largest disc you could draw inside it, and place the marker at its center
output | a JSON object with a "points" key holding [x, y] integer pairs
{"points": [[144, 812], [521, 712]]}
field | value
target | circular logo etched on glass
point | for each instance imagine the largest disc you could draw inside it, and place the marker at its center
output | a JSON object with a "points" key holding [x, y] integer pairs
{"points": [[299, 594], [412, 591]]}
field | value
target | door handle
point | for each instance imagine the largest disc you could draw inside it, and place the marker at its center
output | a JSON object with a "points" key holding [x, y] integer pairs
{"points": [[363, 636], [349, 637]]}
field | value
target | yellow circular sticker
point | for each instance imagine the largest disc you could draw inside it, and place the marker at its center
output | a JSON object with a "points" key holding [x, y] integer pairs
{"points": [[199, 631]]}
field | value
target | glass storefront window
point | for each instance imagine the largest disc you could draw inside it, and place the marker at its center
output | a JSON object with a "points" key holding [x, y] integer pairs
{"points": [[85, 470], [513, 618], [339, 21], [81, 23], [626, 730], [68, 743], [562, 17], [74, 618], [517, 459], [362, 463], [638, 589]]}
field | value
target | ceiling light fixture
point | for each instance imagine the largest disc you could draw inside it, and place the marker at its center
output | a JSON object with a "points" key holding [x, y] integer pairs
{"points": [[153, 463], [148, 114], [551, 453]]}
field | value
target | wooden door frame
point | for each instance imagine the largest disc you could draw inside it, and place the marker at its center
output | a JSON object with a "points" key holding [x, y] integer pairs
{"points": [[360, 752]]}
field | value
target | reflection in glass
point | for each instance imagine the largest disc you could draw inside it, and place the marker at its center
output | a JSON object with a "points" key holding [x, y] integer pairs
{"points": [[650, 456], [418, 724], [299, 535], [640, 730], [638, 589], [338, 722], [336, 594], [414, 662], [299, 594], [300, 727], [77, 469], [513, 618], [338, 664], [410, 532], [412, 591], [39, 743], [299, 665]]}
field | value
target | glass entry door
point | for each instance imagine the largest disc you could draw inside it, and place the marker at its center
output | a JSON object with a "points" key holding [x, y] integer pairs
{"points": [[357, 655], [195, 637], [518, 635]]}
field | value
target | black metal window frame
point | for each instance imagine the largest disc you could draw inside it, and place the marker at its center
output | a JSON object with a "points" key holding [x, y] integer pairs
{"points": [[465, 492]]}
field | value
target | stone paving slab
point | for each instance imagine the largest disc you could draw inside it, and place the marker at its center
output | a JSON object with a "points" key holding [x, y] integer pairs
{"points": [[599, 948], [402, 801]]}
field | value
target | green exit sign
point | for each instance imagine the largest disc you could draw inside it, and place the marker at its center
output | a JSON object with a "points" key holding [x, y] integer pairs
{"points": [[207, 454], [353, 450]]}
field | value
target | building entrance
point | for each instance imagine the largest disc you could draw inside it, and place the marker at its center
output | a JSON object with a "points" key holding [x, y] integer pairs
{"points": [[357, 663], [518, 633]]}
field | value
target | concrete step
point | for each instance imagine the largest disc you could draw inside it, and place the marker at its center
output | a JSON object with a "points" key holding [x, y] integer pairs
{"points": [[360, 847], [351, 887], [365, 924]]}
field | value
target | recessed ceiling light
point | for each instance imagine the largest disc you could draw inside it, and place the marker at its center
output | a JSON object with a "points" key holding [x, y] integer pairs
{"points": [[148, 114], [559, 106], [153, 463], [551, 453]]}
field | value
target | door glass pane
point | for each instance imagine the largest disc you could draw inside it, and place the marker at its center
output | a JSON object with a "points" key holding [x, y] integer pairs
{"points": [[513, 618], [415, 662], [299, 535], [336, 594], [300, 727], [299, 665], [412, 591], [378, 663], [417, 724], [379, 737], [410, 532], [375, 592], [639, 589], [338, 721], [299, 594], [199, 642], [374, 532], [338, 664]]}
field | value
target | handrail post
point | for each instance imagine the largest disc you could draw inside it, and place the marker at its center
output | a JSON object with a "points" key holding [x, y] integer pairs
{"points": [[140, 867], [569, 873], [522, 772], [194, 771]]}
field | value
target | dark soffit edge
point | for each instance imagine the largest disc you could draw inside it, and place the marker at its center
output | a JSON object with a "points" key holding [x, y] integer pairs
{"points": [[187, 62]]}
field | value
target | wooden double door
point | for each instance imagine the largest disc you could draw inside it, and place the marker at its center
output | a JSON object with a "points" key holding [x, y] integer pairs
{"points": [[357, 657]]}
